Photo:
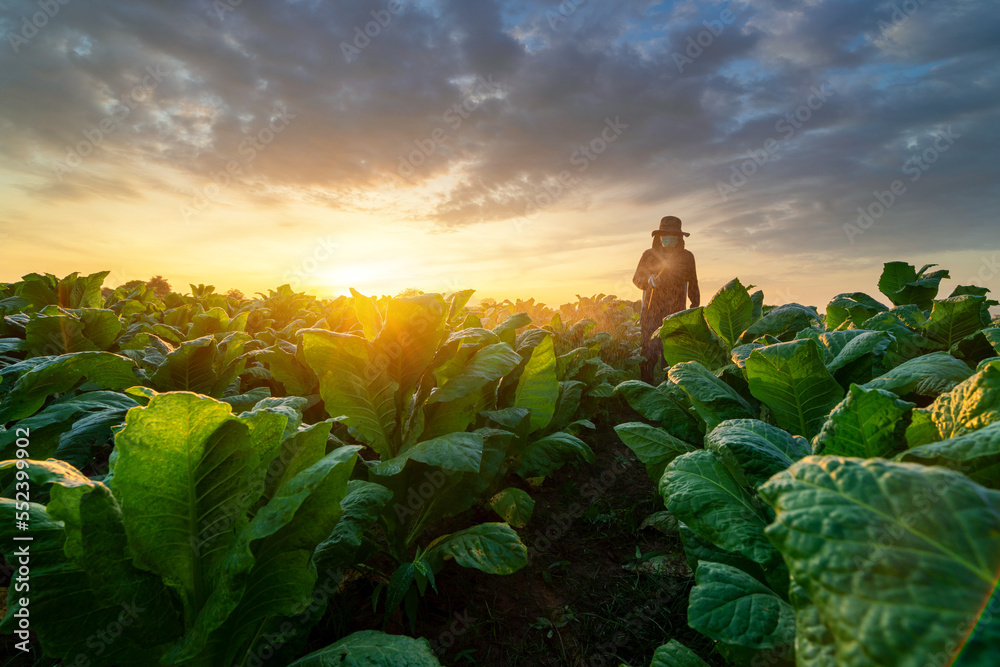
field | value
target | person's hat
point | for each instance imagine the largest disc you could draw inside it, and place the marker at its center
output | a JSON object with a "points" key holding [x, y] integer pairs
{"points": [[670, 226]]}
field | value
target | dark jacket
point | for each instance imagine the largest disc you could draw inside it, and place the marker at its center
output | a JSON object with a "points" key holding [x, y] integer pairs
{"points": [[676, 283]]}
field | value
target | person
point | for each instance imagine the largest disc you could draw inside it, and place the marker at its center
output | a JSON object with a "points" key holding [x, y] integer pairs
{"points": [[667, 277]]}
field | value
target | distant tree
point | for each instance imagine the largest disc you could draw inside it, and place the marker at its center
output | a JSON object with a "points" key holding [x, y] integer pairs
{"points": [[159, 285], [106, 292], [236, 294], [132, 285], [409, 291]]}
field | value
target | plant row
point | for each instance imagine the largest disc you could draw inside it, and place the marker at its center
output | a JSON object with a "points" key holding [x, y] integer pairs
{"points": [[833, 478]]}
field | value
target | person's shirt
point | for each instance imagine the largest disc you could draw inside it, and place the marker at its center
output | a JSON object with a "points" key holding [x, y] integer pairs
{"points": [[676, 283]]}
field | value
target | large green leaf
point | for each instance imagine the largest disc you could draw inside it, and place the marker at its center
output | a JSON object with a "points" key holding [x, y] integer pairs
{"points": [[538, 388], [355, 384], [899, 559], [190, 367], [904, 285], [654, 447], [783, 322], [697, 549], [970, 406], [10, 344], [993, 336], [362, 505], [975, 454], [93, 428], [713, 399], [493, 548], [65, 410], [869, 423], [675, 654], [414, 327], [686, 336], [834, 344], [906, 325], [955, 318], [60, 374], [857, 359], [64, 609], [546, 455], [488, 365], [507, 330], [284, 535], [753, 451], [64, 332], [297, 378], [460, 452], [792, 380], [699, 490], [730, 606], [298, 452], [814, 643], [186, 474], [514, 506], [213, 321], [77, 291], [856, 307], [929, 375], [457, 302], [665, 404], [369, 648], [567, 406], [91, 551], [367, 313], [730, 312]]}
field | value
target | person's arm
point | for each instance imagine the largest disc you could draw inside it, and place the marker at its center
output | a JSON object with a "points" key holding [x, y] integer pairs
{"points": [[694, 292], [642, 273]]}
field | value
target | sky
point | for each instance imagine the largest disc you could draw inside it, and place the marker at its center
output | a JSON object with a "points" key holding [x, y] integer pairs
{"points": [[523, 149]]}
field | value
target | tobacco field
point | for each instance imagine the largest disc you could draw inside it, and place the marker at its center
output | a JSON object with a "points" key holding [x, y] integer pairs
{"points": [[215, 480]]}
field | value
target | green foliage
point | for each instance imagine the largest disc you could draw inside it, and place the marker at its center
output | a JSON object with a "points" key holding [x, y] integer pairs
{"points": [[830, 560], [180, 531], [675, 654], [869, 423], [731, 606], [654, 447], [687, 336], [904, 285], [850, 529], [699, 490], [794, 383], [730, 312], [713, 400], [514, 506], [227, 501], [372, 649], [49, 375]]}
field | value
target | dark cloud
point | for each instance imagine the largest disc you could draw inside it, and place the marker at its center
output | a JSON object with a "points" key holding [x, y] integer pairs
{"points": [[358, 107]]}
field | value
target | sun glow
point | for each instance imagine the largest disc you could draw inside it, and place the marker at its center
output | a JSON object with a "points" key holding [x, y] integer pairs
{"points": [[366, 277]]}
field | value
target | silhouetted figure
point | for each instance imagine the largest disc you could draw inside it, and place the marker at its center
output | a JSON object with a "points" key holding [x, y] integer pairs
{"points": [[667, 277]]}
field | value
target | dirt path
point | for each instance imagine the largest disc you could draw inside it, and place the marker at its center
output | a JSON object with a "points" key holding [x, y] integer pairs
{"points": [[580, 602]]}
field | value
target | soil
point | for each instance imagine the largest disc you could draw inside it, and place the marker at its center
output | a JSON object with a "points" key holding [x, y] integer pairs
{"points": [[582, 601]]}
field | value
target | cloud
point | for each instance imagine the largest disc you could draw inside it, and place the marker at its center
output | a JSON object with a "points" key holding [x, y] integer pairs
{"points": [[362, 110]]}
